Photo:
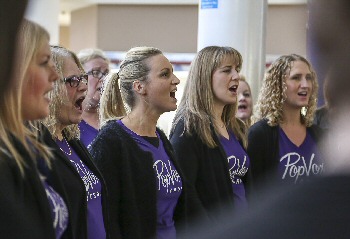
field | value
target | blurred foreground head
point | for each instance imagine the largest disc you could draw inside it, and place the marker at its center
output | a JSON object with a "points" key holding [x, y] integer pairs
{"points": [[11, 15], [330, 31]]}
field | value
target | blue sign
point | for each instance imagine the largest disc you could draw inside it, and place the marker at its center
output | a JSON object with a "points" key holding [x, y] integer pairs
{"points": [[207, 4]]}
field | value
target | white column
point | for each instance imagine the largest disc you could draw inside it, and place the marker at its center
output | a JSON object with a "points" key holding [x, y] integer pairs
{"points": [[45, 13], [239, 24]]}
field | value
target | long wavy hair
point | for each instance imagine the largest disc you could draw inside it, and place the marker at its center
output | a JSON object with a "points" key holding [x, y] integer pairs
{"points": [[273, 92], [59, 95], [111, 103], [30, 38], [197, 104]]}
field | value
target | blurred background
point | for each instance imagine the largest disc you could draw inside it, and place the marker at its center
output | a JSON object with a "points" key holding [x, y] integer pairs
{"points": [[261, 30]]}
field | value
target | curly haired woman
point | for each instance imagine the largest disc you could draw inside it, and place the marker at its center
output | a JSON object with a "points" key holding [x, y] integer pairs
{"points": [[282, 144]]}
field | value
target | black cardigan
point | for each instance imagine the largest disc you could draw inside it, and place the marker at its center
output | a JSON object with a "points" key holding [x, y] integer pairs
{"points": [[263, 151], [207, 171], [24, 208], [131, 181], [74, 186]]}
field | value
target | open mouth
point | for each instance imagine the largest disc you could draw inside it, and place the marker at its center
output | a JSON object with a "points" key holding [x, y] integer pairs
{"points": [[79, 103], [172, 94], [233, 88], [242, 107], [303, 93]]}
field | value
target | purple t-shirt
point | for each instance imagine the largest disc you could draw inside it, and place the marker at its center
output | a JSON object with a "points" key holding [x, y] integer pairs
{"points": [[298, 164], [169, 184], [87, 133], [59, 210], [238, 163], [96, 229]]}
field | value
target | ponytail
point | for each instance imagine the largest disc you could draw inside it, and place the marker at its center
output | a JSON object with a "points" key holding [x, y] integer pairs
{"points": [[111, 103]]}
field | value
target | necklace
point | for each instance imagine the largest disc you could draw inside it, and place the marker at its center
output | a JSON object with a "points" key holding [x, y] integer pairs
{"points": [[70, 150]]}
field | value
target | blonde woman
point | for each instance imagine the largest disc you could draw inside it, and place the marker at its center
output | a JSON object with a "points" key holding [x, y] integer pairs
{"points": [[208, 139], [245, 101], [283, 144], [83, 183], [32, 202], [135, 157]]}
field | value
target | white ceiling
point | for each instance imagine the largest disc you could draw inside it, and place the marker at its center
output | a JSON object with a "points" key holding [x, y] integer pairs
{"points": [[66, 6]]}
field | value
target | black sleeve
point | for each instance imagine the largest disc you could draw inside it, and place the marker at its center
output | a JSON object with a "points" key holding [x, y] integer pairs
{"points": [[188, 156], [105, 154], [257, 151]]}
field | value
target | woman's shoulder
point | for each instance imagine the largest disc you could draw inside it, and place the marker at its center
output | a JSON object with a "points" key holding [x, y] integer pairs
{"points": [[111, 129], [111, 124], [260, 125]]}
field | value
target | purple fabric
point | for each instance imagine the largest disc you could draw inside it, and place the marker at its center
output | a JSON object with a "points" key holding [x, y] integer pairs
{"points": [[298, 164], [169, 185], [96, 229], [238, 163], [87, 133], [59, 210]]}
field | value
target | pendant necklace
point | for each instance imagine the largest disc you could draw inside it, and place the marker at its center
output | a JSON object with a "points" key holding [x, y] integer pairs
{"points": [[70, 150]]}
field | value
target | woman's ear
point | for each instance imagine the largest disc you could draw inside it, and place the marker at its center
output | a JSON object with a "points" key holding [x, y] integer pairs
{"points": [[139, 87]]}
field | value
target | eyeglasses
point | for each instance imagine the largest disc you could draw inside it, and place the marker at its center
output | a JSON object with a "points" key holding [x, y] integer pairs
{"points": [[98, 74], [74, 81]]}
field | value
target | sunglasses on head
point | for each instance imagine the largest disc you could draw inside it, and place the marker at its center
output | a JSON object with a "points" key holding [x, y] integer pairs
{"points": [[74, 81]]}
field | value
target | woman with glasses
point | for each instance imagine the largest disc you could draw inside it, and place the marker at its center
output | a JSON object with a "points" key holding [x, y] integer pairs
{"points": [[84, 184], [96, 64]]}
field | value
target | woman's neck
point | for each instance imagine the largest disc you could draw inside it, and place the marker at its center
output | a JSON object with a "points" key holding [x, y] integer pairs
{"points": [[59, 130], [218, 116], [142, 123], [291, 117]]}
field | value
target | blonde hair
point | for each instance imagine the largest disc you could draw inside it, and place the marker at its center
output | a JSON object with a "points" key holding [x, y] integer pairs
{"points": [[134, 67], [59, 94], [111, 103], [272, 94], [197, 104], [89, 54], [30, 38], [249, 121]]}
